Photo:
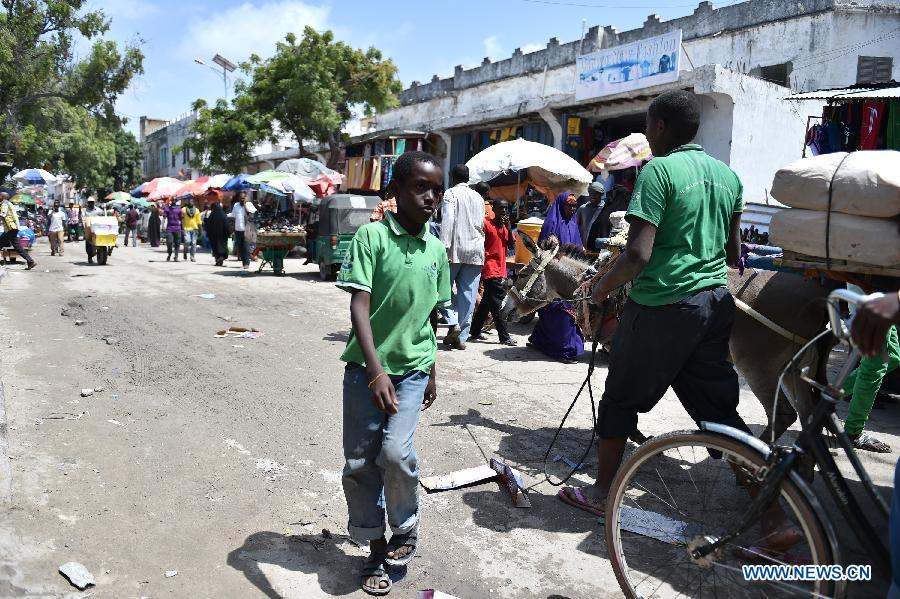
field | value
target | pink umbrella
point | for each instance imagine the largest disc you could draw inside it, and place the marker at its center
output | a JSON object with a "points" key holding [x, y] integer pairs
{"points": [[632, 150], [162, 188]]}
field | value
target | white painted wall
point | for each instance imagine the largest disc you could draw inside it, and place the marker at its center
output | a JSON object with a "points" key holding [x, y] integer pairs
{"points": [[716, 123]]}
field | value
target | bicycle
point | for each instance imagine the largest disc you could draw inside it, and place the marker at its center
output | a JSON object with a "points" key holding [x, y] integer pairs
{"points": [[720, 499]]}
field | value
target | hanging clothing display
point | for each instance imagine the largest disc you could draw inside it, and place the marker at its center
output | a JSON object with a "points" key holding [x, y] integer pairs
{"points": [[893, 125], [399, 146], [872, 116], [387, 167]]}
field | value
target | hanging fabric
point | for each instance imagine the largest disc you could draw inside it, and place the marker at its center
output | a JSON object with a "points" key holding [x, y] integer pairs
{"points": [[399, 147]]}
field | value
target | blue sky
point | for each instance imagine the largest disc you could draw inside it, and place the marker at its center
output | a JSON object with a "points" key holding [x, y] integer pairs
{"points": [[423, 37]]}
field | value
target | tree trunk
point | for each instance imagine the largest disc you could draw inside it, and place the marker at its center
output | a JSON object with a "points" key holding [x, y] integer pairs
{"points": [[334, 149]]}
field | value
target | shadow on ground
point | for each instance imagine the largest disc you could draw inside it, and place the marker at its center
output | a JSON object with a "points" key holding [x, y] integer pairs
{"points": [[320, 561]]}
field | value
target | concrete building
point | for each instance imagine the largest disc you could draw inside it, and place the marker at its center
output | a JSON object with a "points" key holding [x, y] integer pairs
{"points": [[158, 138], [741, 59]]}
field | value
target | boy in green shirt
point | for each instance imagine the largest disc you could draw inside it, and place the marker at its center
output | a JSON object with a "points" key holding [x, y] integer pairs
{"points": [[399, 276]]}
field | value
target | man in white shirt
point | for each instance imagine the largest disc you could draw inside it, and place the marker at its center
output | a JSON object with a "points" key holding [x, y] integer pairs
{"points": [[462, 231], [241, 212], [57, 230]]}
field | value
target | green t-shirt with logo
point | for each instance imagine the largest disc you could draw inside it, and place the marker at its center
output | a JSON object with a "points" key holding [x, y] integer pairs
{"points": [[408, 276], [690, 197]]}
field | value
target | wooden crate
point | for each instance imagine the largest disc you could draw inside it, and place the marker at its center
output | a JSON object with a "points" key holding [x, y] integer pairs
{"points": [[802, 261]]}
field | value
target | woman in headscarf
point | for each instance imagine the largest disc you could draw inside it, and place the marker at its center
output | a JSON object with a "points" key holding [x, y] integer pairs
{"points": [[217, 233], [556, 333], [154, 225]]}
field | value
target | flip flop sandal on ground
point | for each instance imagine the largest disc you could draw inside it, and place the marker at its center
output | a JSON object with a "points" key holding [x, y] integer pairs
{"points": [[402, 540], [374, 566], [866, 442], [574, 496]]}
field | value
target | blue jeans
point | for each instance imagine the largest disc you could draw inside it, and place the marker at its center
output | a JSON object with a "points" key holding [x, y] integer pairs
{"points": [[190, 242], [381, 473], [464, 279]]}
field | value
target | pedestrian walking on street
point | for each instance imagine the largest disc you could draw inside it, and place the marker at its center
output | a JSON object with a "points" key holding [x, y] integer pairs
{"points": [[498, 237], [154, 226], [191, 222], [587, 213], [399, 276], [173, 229], [56, 230], [9, 221], [462, 232], [72, 220], [241, 212], [131, 225], [216, 227], [89, 212]]}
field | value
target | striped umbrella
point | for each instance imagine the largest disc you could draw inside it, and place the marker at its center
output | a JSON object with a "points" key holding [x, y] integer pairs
{"points": [[632, 150]]}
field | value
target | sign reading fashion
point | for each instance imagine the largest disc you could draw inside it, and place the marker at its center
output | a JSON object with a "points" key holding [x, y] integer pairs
{"points": [[652, 61]]}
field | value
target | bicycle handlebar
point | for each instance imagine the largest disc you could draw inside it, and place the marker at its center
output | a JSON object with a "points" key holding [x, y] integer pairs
{"points": [[840, 328]]}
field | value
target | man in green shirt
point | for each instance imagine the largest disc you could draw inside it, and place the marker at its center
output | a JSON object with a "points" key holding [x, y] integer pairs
{"points": [[684, 220], [399, 276]]}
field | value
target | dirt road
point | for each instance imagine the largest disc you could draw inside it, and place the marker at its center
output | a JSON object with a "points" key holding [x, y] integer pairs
{"points": [[220, 458]]}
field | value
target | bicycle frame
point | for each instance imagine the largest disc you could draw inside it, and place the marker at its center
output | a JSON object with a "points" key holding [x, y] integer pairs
{"points": [[811, 439]]}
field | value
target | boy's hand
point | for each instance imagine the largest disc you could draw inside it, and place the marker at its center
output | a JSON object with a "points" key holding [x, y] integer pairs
{"points": [[430, 391], [384, 397]]}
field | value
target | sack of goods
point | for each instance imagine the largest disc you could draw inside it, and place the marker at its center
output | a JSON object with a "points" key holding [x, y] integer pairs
{"points": [[864, 190]]}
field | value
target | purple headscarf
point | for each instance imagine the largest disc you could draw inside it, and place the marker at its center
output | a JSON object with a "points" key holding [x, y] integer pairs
{"points": [[556, 224]]}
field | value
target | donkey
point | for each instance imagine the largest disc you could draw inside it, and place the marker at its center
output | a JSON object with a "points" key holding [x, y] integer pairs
{"points": [[758, 352]]}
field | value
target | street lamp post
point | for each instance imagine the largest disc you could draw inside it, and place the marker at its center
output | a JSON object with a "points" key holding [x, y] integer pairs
{"points": [[227, 67]]}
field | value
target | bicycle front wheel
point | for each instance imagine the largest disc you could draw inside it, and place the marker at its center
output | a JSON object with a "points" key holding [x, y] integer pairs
{"points": [[684, 490]]}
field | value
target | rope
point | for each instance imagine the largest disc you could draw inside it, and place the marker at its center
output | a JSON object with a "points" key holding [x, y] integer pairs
{"points": [[768, 323], [587, 383], [828, 213]]}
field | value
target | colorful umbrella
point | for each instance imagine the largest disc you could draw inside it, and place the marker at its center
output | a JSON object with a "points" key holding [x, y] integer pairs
{"points": [[162, 188], [26, 199], [35, 176], [138, 191], [632, 150], [547, 169], [190, 189], [122, 197], [237, 183], [217, 181], [283, 183]]}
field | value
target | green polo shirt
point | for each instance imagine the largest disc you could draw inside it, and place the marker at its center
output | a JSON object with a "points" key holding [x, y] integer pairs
{"points": [[690, 197], [408, 277]]}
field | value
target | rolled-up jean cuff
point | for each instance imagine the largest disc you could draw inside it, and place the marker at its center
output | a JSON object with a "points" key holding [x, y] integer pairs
{"points": [[364, 535], [406, 526], [614, 422]]}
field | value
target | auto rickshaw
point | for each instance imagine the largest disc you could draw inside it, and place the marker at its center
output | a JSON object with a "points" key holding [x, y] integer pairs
{"points": [[340, 216]]}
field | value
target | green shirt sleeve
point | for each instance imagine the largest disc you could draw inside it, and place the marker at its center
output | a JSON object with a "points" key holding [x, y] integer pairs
{"points": [[648, 201], [358, 266], [443, 283], [739, 195]]}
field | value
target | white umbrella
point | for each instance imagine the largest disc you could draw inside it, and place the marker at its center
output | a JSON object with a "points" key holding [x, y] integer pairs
{"points": [[305, 167], [217, 181], [35, 176], [547, 169]]}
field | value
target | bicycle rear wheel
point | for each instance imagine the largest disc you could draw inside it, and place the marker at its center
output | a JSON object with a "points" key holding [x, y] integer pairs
{"points": [[679, 490]]}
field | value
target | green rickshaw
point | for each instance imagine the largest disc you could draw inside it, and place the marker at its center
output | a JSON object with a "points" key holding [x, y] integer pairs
{"points": [[340, 216]]}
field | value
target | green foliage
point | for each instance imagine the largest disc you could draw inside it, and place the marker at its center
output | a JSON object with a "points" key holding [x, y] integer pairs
{"points": [[224, 136], [126, 173], [309, 87], [47, 96]]}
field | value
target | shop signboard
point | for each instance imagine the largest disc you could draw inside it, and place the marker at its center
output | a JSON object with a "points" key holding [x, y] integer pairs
{"points": [[652, 61]]}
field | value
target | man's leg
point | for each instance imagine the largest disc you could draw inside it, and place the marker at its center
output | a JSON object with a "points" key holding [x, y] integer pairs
{"points": [[176, 240], [53, 243], [60, 241], [169, 241], [493, 295], [481, 313], [397, 458], [866, 383], [89, 248], [467, 292], [450, 313]]}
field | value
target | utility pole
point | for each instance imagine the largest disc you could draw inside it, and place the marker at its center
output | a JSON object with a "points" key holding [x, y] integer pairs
{"points": [[227, 67]]}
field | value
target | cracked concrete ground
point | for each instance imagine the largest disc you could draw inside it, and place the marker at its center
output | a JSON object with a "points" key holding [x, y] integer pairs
{"points": [[221, 458]]}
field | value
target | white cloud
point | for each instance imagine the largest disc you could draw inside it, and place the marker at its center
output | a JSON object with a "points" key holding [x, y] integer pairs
{"points": [[250, 28], [492, 47], [529, 48]]}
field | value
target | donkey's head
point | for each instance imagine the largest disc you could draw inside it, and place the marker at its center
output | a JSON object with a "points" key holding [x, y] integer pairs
{"points": [[551, 274]]}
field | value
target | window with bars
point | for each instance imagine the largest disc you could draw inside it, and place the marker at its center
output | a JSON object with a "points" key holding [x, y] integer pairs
{"points": [[874, 69]]}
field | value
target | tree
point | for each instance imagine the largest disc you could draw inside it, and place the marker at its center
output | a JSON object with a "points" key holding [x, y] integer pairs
{"points": [[39, 72], [310, 87], [222, 137], [126, 173]]}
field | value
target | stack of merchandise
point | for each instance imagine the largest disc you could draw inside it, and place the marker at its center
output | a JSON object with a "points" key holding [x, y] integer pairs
{"points": [[844, 206]]}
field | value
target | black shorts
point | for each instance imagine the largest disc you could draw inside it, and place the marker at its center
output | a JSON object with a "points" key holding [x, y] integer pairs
{"points": [[682, 345]]}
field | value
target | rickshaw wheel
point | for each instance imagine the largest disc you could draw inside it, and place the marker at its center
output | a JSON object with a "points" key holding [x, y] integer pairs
{"points": [[325, 271], [102, 253]]}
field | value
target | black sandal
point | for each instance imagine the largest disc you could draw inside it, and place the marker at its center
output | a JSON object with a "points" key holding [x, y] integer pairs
{"points": [[374, 566], [397, 541]]}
